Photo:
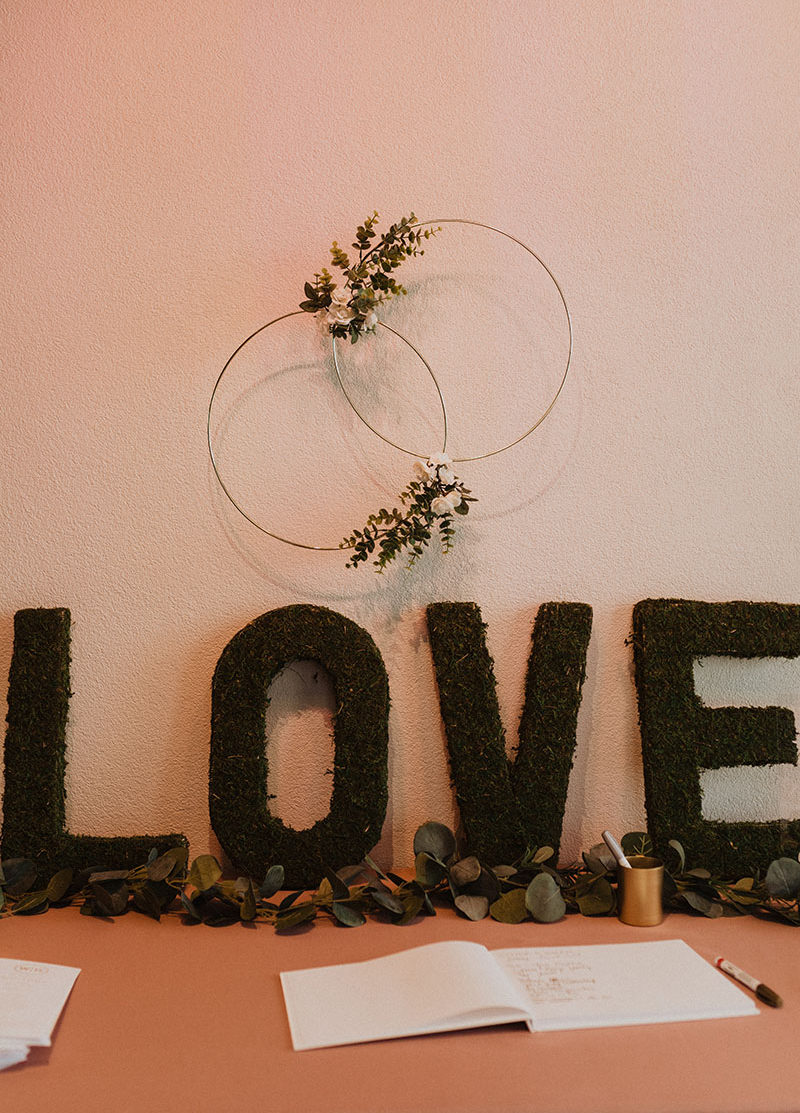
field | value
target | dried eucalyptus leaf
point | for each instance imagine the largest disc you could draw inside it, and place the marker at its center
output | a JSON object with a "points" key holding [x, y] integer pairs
{"points": [[543, 899], [435, 839], [543, 854], [465, 871], [700, 873], [504, 871], [510, 908], [783, 878], [347, 915], [205, 872], [324, 892], [474, 908]]}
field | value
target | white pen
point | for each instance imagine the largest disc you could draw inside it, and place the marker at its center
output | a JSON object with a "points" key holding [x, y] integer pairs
{"points": [[616, 850], [763, 992]]}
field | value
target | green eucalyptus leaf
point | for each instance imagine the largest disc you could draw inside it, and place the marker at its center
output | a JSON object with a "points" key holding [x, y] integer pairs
{"points": [[338, 888], [599, 900], [298, 916], [637, 842], [272, 882], [247, 909], [543, 899], [783, 878], [387, 900], [347, 915], [189, 907], [146, 901], [435, 839], [167, 863], [58, 885], [510, 908], [599, 859], [20, 874], [429, 871], [676, 846], [474, 908], [32, 904], [205, 872], [701, 903]]}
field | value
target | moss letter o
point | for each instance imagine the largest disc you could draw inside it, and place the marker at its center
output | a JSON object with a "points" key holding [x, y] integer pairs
{"points": [[252, 838]]}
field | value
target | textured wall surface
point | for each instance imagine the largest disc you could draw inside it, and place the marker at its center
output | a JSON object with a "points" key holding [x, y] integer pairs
{"points": [[174, 173]]}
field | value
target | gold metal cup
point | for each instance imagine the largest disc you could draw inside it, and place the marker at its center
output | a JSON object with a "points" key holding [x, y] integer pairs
{"points": [[641, 891]]}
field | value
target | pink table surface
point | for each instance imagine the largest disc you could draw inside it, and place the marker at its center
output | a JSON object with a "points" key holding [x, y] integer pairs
{"points": [[166, 1016]]}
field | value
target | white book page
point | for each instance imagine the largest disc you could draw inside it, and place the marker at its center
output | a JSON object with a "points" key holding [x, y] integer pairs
{"points": [[32, 995], [621, 983], [435, 988]]}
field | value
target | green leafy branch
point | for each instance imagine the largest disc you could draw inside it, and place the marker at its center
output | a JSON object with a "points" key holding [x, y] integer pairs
{"points": [[429, 504], [532, 888], [349, 305]]}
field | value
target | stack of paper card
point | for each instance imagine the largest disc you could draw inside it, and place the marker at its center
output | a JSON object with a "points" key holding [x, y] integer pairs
{"points": [[32, 995]]}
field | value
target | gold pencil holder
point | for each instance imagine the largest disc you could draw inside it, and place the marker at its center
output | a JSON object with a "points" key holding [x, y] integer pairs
{"points": [[641, 891]]}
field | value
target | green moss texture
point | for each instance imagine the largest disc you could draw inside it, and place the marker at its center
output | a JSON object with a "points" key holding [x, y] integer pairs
{"points": [[681, 736], [508, 806], [34, 819], [252, 838]]}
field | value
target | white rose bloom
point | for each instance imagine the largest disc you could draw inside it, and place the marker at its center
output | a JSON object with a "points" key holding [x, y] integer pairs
{"points": [[340, 296], [453, 498], [439, 460], [370, 321], [447, 475], [339, 315], [441, 505], [422, 470]]}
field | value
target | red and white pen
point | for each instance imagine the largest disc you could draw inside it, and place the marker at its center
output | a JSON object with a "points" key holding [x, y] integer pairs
{"points": [[763, 992]]}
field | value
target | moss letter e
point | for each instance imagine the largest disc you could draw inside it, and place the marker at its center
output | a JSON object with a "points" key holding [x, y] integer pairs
{"points": [[681, 736], [34, 820], [238, 800]]}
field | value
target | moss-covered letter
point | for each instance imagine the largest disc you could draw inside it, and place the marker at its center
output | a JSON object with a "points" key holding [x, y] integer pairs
{"points": [[34, 820], [508, 806], [238, 800], [681, 736]]}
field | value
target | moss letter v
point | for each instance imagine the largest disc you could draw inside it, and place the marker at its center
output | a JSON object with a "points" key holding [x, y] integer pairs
{"points": [[508, 806]]}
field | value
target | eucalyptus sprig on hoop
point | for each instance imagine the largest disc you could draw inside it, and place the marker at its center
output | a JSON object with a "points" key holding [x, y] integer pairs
{"points": [[349, 308], [429, 503]]}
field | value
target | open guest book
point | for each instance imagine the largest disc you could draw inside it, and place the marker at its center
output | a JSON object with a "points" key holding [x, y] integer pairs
{"points": [[448, 986]]}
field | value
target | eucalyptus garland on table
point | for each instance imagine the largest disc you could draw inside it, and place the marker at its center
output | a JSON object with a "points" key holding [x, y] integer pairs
{"points": [[529, 889]]}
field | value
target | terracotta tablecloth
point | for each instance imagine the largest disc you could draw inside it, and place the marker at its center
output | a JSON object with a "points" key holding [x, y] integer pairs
{"points": [[171, 1017]]}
